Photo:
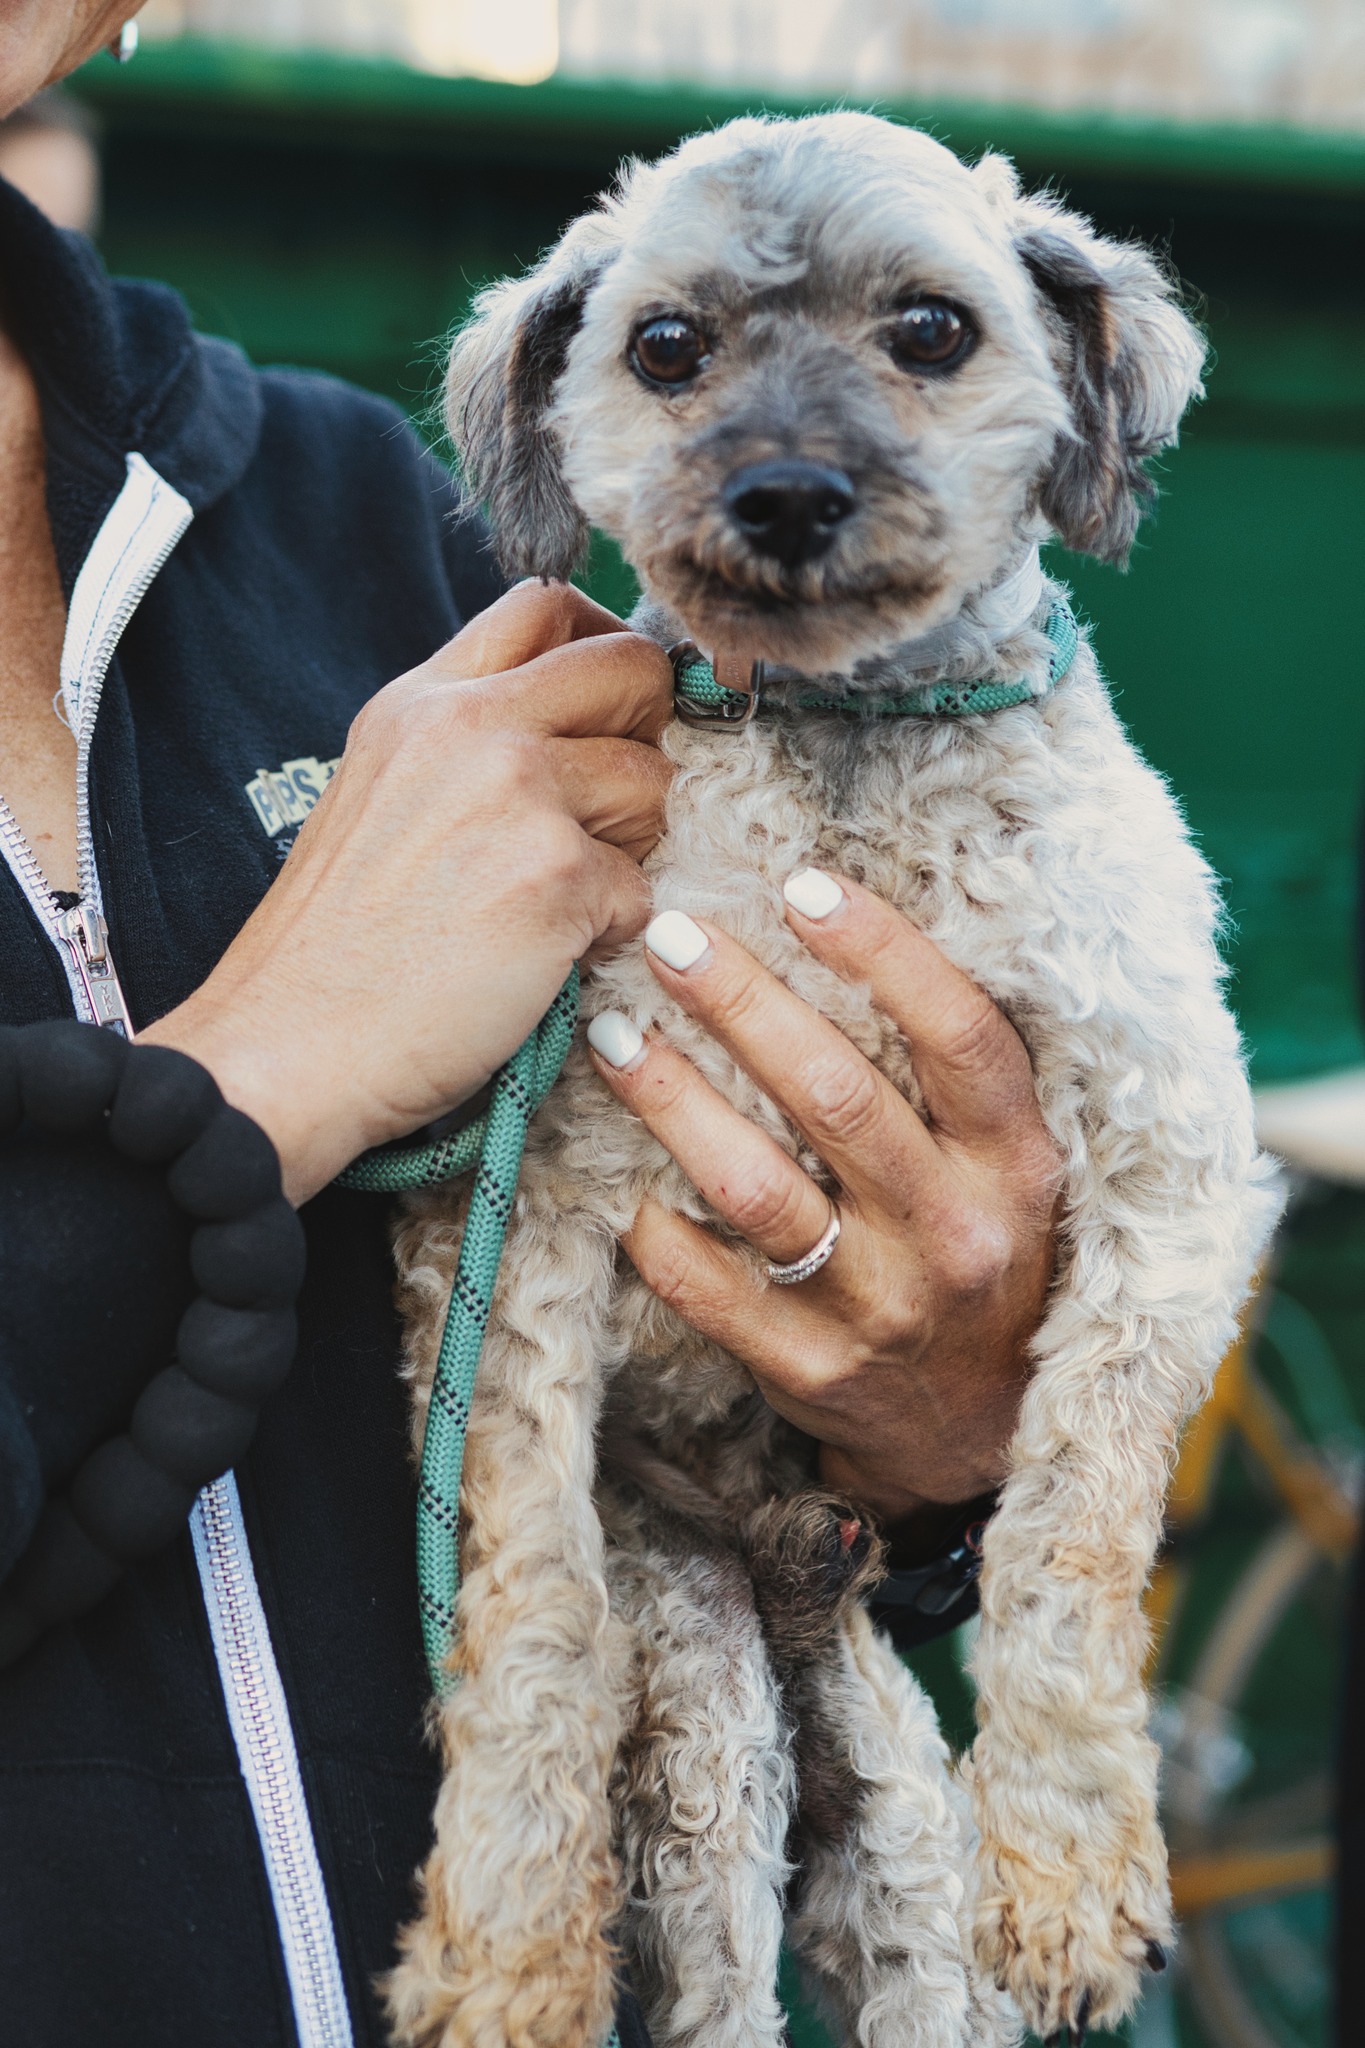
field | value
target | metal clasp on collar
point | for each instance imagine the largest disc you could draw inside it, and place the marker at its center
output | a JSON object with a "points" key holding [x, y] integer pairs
{"points": [[702, 707]]}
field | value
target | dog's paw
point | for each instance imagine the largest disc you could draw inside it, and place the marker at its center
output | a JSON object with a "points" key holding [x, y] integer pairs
{"points": [[1070, 1943], [810, 1555], [478, 2006], [455, 1987]]}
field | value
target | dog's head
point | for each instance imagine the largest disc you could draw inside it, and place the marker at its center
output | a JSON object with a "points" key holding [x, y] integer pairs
{"points": [[824, 383]]}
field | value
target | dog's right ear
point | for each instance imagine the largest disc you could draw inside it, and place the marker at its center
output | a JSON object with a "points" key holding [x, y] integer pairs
{"points": [[504, 366]]}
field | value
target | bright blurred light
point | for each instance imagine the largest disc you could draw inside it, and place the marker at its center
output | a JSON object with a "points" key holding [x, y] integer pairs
{"points": [[1269, 60], [516, 41]]}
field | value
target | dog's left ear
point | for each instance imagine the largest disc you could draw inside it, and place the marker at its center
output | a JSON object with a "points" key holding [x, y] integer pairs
{"points": [[1132, 363], [504, 366]]}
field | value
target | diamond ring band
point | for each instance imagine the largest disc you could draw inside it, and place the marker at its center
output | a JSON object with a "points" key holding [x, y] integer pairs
{"points": [[813, 1260]]}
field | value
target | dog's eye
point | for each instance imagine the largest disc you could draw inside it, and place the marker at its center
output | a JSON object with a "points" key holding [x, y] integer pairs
{"points": [[931, 333], [669, 350]]}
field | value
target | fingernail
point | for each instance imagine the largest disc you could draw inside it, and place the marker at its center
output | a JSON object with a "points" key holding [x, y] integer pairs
{"points": [[619, 1041], [678, 942], [814, 893]]}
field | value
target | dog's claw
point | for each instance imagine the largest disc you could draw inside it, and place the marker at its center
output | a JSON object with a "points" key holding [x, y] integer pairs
{"points": [[1157, 1957], [1073, 2035]]}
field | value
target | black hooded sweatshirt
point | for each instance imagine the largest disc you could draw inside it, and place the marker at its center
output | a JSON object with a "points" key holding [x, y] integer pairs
{"points": [[138, 1903], [321, 561]]}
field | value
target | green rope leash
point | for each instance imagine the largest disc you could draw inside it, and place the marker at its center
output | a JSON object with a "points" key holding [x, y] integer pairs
{"points": [[397, 1169], [494, 1145], [496, 1142]]}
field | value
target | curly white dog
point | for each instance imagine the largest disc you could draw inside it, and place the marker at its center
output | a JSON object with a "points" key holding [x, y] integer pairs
{"points": [[829, 388]]}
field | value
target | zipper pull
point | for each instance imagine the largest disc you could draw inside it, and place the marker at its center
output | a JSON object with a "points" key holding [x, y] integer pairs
{"points": [[86, 935]]}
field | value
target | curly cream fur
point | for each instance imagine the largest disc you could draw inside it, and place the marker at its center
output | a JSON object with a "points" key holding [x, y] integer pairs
{"points": [[703, 1848], [623, 1754]]}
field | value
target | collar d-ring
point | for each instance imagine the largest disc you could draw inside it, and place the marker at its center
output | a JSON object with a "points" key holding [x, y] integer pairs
{"points": [[698, 699]]}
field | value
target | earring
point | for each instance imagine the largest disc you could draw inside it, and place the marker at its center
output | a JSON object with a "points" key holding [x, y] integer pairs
{"points": [[124, 46]]}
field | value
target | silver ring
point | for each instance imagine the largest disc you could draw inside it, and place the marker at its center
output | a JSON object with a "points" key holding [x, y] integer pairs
{"points": [[814, 1259]]}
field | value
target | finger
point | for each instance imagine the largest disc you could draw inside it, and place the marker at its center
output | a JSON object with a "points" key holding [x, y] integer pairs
{"points": [[776, 1331], [745, 1176], [867, 1134], [616, 789], [615, 683], [969, 1060], [710, 1285], [527, 620], [616, 899]]}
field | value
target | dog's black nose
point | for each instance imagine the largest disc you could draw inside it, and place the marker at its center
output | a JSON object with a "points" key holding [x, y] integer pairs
{"points": [[790, 510]]}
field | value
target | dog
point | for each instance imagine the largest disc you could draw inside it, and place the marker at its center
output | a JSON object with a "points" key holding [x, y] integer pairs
{"points": [[830, 388]]}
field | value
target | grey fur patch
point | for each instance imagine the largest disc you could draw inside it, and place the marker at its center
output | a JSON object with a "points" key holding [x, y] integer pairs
{"points": [[811, 1556], [498, 420]]}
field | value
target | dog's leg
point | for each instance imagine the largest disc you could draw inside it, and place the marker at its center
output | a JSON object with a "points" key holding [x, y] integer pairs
{"points": [[879, 1921], [1073, 1896], [511, 1948], [877, 1911], [703, 1795]]}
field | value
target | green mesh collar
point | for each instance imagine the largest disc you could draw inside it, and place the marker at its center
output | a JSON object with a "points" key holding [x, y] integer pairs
{"points": [[697, 690]]}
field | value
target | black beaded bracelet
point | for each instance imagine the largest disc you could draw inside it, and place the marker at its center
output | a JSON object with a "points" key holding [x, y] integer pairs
{"points": [[235, 1344]]}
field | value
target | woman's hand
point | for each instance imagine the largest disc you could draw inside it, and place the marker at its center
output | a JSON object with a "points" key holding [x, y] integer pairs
{"points": [[906, 1355], [483, 831]]}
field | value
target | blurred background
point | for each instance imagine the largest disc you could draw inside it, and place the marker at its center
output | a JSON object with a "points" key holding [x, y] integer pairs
{"points": [[328, 181]]}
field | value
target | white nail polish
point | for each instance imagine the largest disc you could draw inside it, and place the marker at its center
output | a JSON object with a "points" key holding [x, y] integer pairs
{"points": [[619, 1041], [814, 893], [678, 942]]}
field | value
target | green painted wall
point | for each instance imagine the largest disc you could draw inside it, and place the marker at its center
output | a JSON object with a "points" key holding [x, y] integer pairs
{"points": [[337, 214]]}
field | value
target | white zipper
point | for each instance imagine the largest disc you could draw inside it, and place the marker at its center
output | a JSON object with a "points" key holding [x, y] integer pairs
{"points": [[142, 527], [259, 1716], [80, 935], [143, 524]]}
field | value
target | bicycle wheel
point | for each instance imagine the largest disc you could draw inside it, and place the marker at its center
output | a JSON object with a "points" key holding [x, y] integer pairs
{"points": [[1246, 1718]]}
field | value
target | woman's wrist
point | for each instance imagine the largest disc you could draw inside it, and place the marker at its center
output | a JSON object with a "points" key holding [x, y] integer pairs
{"points": [[918, 1486], [284, 1081], [881, 1492]]}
